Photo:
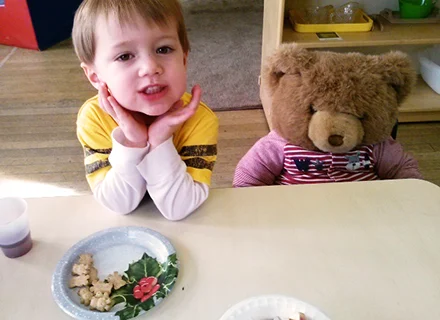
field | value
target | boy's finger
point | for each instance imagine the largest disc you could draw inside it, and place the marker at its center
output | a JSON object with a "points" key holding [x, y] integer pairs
{"points": [[182, 115], [108, 108], [196, 96], [178, 105], [103, 102], [110, 105], [103, 91], [120, 113]]}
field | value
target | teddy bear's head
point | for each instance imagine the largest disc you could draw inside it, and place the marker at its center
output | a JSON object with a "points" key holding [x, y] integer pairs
{"points": [[334, 102]]}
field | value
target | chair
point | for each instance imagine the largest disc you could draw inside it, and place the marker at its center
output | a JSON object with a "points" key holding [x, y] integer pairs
{"points": [[394, 131]]}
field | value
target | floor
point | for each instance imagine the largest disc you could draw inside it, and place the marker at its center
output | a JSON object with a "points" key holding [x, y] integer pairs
{"points": [[40, 156]]}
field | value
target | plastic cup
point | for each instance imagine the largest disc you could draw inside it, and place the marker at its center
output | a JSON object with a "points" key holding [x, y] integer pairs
{"points": [[15, 236]]}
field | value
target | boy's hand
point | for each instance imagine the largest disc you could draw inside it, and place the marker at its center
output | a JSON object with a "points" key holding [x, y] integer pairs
{"points": [[165, 125], [132, 124]]}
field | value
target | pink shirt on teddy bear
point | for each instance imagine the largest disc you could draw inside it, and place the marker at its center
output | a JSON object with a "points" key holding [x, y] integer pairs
{"points": [[272, 160]]}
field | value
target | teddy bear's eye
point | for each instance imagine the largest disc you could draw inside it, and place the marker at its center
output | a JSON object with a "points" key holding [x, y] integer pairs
{"points": [[312, 109]]}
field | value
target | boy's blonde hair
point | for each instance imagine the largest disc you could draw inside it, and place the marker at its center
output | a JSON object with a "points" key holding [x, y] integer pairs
{"points": [[160, 12]]}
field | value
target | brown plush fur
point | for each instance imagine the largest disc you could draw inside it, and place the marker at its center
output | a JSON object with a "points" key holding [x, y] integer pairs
{"points": [[333, 101]]}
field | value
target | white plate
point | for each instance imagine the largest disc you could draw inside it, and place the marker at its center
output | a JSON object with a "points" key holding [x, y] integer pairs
{"points": [[271, 306], [112, 249]]}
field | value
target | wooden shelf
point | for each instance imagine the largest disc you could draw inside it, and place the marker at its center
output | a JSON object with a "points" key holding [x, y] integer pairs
{"points": [[393, 34], [422, 105]]}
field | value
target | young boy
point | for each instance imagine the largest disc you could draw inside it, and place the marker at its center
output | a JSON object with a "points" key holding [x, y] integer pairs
{"points": [[142, 133]]}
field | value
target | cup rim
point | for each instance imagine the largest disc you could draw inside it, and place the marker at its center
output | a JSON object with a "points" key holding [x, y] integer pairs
{"points": [[22, 201]]}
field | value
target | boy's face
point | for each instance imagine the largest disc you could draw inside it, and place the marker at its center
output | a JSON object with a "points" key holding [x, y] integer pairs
{"points": [[144, 66]]}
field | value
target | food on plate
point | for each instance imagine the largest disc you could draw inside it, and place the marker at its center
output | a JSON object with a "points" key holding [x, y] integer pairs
{"points": [[101, 286], [116, 280], [80, 269], [84, 273], [79, 281], [85, 296], [93, 293], [141, 287], [101, 302], [93, 273], [296, 316], [86, 259], [299, 316]]}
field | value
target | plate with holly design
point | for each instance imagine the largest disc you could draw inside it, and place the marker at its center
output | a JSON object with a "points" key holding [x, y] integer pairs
{"points": [[146, 264]]}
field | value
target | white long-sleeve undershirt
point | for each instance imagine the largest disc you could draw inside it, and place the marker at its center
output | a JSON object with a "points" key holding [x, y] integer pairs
{"points": [[160, 171]]}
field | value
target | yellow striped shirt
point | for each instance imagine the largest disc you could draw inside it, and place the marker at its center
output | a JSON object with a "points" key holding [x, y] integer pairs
{"points": [[195, 141]]}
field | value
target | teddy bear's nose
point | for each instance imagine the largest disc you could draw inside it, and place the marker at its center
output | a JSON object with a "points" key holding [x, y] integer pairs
{"points": [[336, 140]]}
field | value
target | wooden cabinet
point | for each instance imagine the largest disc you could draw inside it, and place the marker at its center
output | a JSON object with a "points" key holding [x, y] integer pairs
{"points": [[424, 103]]}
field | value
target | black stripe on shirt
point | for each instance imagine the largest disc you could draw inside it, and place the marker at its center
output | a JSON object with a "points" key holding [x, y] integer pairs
{"points": [[199, 151], [95, 166], [89, 151], [199, 163]]}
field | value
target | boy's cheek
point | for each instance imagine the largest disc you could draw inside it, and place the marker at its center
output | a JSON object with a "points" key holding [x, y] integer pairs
{"points": [[120, 95]]}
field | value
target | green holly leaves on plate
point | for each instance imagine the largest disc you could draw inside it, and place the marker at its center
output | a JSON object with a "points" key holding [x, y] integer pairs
{"points": [[148, 282]]}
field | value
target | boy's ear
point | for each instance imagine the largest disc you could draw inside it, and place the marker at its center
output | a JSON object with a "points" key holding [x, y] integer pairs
{"points": [[91, 75]]}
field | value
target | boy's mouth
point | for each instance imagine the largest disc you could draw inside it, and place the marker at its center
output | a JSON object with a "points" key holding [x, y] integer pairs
{"points": [[153, 89], [154, 92]]}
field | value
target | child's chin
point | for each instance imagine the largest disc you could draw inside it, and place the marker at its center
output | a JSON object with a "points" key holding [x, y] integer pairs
{"points": [[157, 110]]}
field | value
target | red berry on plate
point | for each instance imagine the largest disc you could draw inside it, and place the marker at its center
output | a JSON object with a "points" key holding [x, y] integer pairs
{"points": [[148, 284], [137, 288], [155, 288], [138, 295], [143, 280], [151, 293], [145, 287], [152, 280]]}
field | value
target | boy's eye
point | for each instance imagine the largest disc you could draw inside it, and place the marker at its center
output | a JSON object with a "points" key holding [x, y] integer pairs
{"points": [[164, 50], [124, 57]]}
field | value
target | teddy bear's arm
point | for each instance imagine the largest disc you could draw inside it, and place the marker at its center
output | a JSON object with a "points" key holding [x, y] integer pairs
{"points": [[262, 164], [392, 162]]}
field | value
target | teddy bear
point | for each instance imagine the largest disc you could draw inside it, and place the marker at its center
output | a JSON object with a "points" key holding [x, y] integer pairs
{"points": [[332, 115]]}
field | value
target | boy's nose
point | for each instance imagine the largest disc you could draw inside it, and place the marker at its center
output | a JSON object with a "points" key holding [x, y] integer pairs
{"points": [[149, 66]]}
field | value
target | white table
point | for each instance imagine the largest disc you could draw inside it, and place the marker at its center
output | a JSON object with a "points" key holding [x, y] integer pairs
{"points": [[355, 250]]}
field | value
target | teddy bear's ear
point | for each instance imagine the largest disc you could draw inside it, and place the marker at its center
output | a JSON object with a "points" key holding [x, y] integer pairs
{"points": [[290, 59], [397, 70]]}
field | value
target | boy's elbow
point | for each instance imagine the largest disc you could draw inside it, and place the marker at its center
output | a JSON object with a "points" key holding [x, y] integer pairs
{"points": [[118, 209], [121, 211], [115, 206], [174, 215]]}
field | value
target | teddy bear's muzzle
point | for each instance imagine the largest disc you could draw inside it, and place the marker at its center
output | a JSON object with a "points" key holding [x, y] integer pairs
{"points": [[335, 132]]}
